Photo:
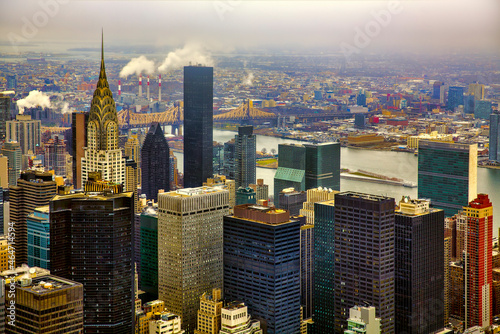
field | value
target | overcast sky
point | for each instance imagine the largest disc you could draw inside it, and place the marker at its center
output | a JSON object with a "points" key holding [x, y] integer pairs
{"points": [[225, 26]]}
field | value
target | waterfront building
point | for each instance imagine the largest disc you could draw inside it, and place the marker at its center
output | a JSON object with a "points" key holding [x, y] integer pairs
{"points": [[364, 262], [190, 249], [55, 156], [155, 159], [12, 150], [362, 319], [79, 142], [412, 141], [209, 313], [25, 131], [494, 149], [198, 125], [478, 262], [91, 241], [262, 254], [102, 153], [261, 190], [419, 267], [48, 304], [148, 274], [245, 195], [236, 320], [292, 200], [34, 189], [447, 174], [39, 238], [455, 97], [245, 156]]}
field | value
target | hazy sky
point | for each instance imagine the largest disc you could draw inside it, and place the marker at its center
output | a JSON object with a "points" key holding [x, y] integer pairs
{"points": [[224, 26]]}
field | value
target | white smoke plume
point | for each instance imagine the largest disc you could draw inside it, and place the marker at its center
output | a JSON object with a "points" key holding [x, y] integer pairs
{"points": [[35, 98], [59, 105], [190, 53], [137, 66], [248, 79]]}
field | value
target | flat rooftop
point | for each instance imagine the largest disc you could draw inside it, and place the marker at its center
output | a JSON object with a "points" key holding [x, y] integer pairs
{"points": [[47, 284]]}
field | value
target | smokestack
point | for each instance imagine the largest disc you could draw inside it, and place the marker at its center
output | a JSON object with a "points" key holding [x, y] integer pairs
{"points": [[159, 87], [140, 85], [119, 87], [148, 89]]}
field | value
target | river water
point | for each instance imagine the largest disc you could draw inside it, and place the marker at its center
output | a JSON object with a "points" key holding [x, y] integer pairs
{"points": [[394, 164]]}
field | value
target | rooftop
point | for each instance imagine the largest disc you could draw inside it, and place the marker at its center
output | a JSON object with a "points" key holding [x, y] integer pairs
{"points": [[45, 284]]}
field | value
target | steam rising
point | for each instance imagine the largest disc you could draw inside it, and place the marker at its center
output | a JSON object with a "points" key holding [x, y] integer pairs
{"points": [[35, 98], [248, 79], [137, 66], [190, 53]]}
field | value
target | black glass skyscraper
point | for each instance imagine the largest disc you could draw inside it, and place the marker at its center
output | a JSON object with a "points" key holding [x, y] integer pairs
{"points": [[245, 156], [198, 125], [155, 159]]}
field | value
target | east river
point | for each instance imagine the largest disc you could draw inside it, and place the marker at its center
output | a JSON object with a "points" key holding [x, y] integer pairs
{"points": [[393, 164]]}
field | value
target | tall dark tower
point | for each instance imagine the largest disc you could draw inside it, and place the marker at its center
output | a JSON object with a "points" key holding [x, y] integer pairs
{"points": [[155, 159], [198, 125], [245, 156]]}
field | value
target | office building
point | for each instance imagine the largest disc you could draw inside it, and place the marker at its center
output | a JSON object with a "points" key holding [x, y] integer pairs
{"points": [[362, 319], [34, 189], [262, 265], [148, 275], [5, 102], [476, 90], [4, 171], [4, 254], [237, 320], [478, 262], [146, 313], [469, 104], [39, 238], [55, 156], [292, 200], [225, 183], [91, 242], [166, 323], [307, 166], [229, 163], [364, 262], [245, 156], [198, 125], [361, 98], [261, 190], [155, 159], [419, 282], [79, 142], [25, 131], [245, 196], [447, 174], [494, 149], [314, 195], [209, 313], [457, 289], [324, 265], [102, 152], [436, 89], [360, 121], [190, 248], [11, 81], [12, 150], [48, 304], [455, 97], [482, 109]]}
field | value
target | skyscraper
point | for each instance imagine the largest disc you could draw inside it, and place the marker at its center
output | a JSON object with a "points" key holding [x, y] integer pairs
{"points": [[33, 189], [79, 141], [494, 151], [478, 262], [91, 242], [262, 264], [149, 253], [245, 156], [482, 109], [455, 97], [447, 174], [55, 156], [5, 102], [477, 90], [436, 89], [364, 257], [12, 150], [102, 152], [229, 164], [39, 238], [419, 265], [155, 159], [25, 131], [209, 313], [198, 125], [190, 224]]}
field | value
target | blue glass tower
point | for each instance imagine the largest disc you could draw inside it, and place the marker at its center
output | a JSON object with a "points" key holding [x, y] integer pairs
{"points": [[39, 238], [455, 97], [262, 265], [324, 262], [495, 137], [482, 109]]}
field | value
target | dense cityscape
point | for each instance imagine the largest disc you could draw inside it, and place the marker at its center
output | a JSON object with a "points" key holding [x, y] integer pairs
{"points": [[257, 189]]}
